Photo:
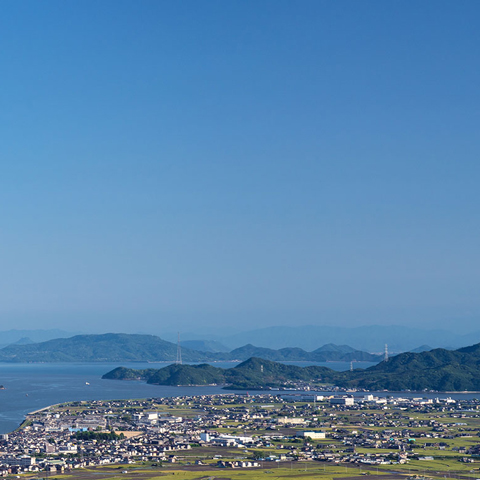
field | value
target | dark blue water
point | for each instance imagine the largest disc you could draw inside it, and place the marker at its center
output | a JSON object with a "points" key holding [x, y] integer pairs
{"points": [[32, 386], [29, 387]]}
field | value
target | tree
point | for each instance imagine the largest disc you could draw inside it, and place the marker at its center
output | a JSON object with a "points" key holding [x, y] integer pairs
{"points": [[257, 455]]}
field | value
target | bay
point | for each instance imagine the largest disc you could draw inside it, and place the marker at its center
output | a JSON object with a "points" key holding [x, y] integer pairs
{"points": [[32, 386]]}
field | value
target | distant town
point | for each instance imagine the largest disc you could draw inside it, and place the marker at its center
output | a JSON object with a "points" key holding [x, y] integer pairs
{"points": [[363, 434]]}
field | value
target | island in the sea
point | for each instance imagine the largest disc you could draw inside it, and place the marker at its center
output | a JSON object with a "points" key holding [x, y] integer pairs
{"points": [[123, 347], [438, 369]]}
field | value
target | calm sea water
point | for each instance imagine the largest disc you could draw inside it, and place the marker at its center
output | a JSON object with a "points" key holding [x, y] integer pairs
{"points": [[29, 387], [32, 386]]}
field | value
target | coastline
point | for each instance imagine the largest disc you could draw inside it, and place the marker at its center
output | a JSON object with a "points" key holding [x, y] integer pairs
{"points": [[44, 408], [422, 394]]}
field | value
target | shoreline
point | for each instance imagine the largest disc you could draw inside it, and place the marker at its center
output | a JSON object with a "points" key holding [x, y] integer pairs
{"points": [[44, 408], [384, 392]]}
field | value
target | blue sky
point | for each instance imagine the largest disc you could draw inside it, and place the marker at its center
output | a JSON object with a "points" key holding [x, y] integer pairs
{"points": [[228, 165]]}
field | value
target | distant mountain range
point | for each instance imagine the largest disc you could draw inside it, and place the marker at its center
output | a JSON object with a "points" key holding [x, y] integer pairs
{"points": [[114, 347], [327, 353], [371, 338], [31, 336], [210, 346], [439, 369], [110, 347], [149, 348]]}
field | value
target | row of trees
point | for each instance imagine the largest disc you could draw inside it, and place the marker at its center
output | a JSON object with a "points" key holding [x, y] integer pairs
{"points": [[90, 435]]}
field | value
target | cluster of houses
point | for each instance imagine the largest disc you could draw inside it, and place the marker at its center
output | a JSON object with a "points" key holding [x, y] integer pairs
{"points": [[298, 427]]}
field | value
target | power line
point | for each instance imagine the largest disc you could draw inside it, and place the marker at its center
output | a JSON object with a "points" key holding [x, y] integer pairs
{"points": [[179, 351]]}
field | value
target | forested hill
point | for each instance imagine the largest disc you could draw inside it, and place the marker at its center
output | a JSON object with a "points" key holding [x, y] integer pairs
{"points": [[326, 353], [110, 347], [253, 373], [439, 369], [121, 347]]}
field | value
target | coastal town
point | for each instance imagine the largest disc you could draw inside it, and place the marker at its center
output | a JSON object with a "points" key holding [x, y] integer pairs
{"points": [[364, 434]]}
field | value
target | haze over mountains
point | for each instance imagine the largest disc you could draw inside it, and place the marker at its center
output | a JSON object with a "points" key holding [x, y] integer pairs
{"points": [[326, 353], [9, 337], [303, 343], [370, 338], [205, 346], [110, 347], [439, 370], [113, 347], [367, 338]]}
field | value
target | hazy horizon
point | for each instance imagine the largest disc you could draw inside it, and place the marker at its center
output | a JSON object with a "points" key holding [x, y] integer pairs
{"points": [[223, 166], [170, 330]]}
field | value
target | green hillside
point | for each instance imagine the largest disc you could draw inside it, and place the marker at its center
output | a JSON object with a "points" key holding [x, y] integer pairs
{"points": [[439, 369], [203, 374], [110, 347], [261, 373], [327, 353], [121, 347], [253, 373]]}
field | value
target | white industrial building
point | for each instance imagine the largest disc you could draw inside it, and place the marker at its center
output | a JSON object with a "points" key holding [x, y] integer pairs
{"points": [[312, 435]]}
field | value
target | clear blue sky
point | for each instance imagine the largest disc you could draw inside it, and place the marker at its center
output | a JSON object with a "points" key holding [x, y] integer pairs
{"points": [[174, 165]]}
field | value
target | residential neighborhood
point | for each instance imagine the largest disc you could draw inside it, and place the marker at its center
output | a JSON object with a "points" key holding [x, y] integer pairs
{"points": [[243, 431]]}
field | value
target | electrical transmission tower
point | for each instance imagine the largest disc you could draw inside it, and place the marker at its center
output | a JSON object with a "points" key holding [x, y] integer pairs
{"points": [[386, 353], [179, 351]]}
